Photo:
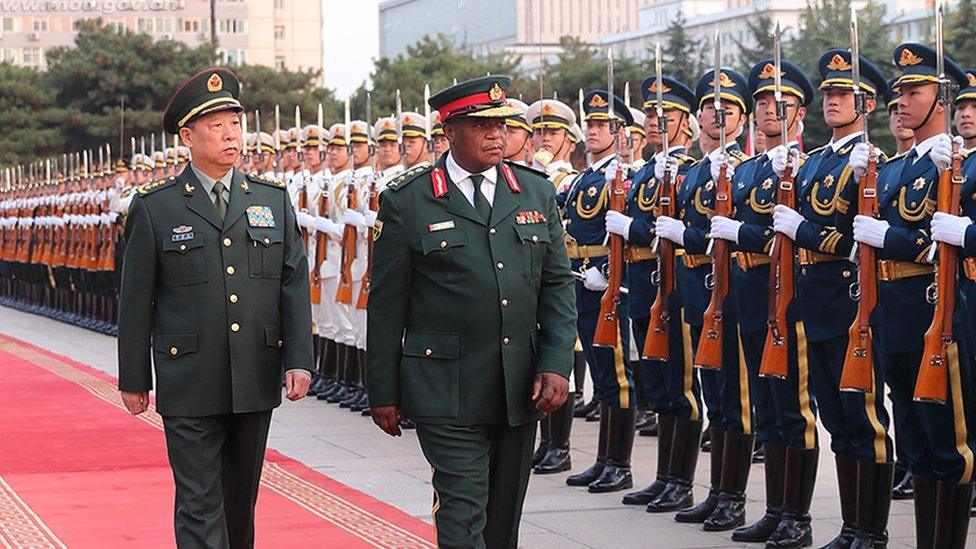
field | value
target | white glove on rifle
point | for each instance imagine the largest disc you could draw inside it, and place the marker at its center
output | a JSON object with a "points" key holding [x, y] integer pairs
{"points": [[786, 220], [870, 231], [725, 228], [304, 220], [618, 223], [778, 156], [370, 217], [859, 158], [594, 280], [716, 159], [611, 173], [663, 164], [354, 218], [941, 151], [670, 228], [327, 226], [949, 228]]}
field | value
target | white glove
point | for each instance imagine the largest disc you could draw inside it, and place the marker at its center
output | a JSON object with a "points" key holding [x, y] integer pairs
{"points": [[304, 220], [541, 158], [618, 223], [786, 220], [354, 218], [870, 231], [594, 280], [941, 151], [325, 225], [858, 159], [725, 228], [665, 163], [670, 228], [370, 218], [778, 156], [611, 173], [949, 228], [716, 159]]}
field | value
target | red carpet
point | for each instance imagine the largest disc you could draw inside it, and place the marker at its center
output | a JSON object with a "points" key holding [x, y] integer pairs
{"points": [[76, 470]]}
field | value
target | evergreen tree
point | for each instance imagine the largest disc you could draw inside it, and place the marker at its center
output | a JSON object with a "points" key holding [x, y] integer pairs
{"points": [[762, 29], [960, 33], [681, 55]]}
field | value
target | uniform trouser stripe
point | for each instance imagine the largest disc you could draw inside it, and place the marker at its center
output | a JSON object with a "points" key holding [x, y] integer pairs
{"points": [[689, 373], [880, 432], [437, 502], [745, 403], [959, 414], [620, 370], [803, 384]]}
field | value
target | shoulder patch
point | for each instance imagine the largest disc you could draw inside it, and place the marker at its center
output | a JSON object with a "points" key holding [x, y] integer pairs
{"points": [[154, 186], [408, 176], [269, 181], [738, 154]]}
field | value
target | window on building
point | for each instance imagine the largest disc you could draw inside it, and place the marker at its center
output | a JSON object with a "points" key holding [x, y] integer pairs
{"points": [[143, 24], [7, 24], [8, 55], [39, 25], [33, 57], [279, 4], [280, 62], [279, 32]]}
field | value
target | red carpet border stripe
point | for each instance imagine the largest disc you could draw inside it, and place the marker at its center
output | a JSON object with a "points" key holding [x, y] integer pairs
{"points": [[20, 527]]}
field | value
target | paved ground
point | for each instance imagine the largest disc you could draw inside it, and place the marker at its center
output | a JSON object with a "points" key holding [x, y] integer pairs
{"points": [[348, 448]]}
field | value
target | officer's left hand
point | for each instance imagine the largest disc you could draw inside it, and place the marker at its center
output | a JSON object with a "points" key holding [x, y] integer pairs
{"points": [[949, 228], [387, 418], [296, 384], [549, 391], [354, 218], [618, 223]]}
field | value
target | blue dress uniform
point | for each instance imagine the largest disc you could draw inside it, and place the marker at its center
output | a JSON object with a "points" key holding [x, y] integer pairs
{"points": [[967, 278], [642, 207], [694, 208], [934, 437], [586, 203]]}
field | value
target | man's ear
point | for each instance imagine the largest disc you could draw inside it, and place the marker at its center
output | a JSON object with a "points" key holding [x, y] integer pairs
{"points": [[186, 136], [449, 131]]}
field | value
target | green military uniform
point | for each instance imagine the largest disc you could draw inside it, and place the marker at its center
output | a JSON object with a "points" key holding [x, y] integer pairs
{"points": [[465, 310], [215, 294]]}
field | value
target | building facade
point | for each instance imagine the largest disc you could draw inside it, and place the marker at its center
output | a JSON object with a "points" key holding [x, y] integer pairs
{"points": [[276, 33]]}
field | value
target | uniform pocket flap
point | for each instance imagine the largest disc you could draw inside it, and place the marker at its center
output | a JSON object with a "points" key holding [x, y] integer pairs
{"points": [[534, 233], [272, 337], [443, 345], [182, 246], [443, 240], [264, 236], [176, 344]]}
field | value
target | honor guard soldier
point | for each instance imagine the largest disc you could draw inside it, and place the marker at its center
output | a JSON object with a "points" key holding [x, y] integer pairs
{"points": [[585, 204], [265, 153], [904, 137], [965, 111], [638, 137], [413, 133], [441, 144], [159, 165], [388, 158], [934, 436], [636, 225], [551, 123], [694, 207], [215, 295], [471, 233], [518, 143]]}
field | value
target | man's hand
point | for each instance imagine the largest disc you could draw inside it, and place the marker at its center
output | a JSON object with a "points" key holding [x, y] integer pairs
{"points": [[296, 384], [135, 403], [387, 418], [549, 391]]}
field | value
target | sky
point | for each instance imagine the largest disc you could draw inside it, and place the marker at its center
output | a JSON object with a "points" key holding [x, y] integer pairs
{"points": [[351, 43]]}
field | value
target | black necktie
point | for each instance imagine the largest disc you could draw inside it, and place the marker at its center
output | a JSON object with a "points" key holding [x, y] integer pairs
{"points": [[218, 190], [480, 202]]}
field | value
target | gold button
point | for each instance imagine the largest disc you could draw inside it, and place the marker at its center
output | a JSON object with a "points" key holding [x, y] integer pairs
{"points": [[492, 231], [280, 343], [535, 238], [233, 298], [443, 243], [267, 240], [230, 269], [226, 242], [504, 303], [846, 273], [174, 351], [505, 341], [235, 327], [500, 265], [182, 247], [428, 352], [803, 271]]}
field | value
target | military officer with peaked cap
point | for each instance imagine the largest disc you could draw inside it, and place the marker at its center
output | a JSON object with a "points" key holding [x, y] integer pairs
{"points": [[215, 294], [471, 316]]}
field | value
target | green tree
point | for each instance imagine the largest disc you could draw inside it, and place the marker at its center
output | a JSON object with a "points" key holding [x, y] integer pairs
{"points": [[262, 88], [762, 29], [682, 56], [29, 115], [960, 33]]}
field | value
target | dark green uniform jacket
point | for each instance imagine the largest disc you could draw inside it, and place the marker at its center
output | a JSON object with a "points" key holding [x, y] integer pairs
{"points": [[220, 307], [464, 314]]}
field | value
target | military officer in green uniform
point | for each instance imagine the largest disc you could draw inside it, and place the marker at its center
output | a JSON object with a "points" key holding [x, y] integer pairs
{"points": [[471, 316], [215, 294]]}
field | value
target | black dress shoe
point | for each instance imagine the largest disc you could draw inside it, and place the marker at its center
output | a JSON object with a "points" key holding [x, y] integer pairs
{"points": [[759, 454], [614, 478], [540, 453], [700, 512], [585, 409], [649, 431], [593, 416], [674, 497], [791, 533], [760, 530], [645, 419], [361, 404], [728, 514], [408, 424], [645, 495], [584, 478], [905, 489], [341, 394], [354, 396], [556, 460]]}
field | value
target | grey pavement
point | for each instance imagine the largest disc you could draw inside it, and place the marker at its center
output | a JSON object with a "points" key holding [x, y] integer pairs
{"points": [[351, 450]]}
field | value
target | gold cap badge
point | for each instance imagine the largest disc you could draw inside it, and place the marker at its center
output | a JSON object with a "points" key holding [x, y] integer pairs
{"points": [[838, 63], [496, 93], [215, 83], [767, 72], [724, 80], [598, 101], [908, 58]]}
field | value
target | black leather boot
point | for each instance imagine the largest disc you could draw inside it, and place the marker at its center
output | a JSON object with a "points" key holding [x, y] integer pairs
{"points": [[544, 434], [700, 512], [593, 471], [905, 489], [681, 469], [924, 487], [873, 504], [952, 505], [586, 409], [759, 453], [617, 475], [342, 393], [651, 430], [557, 458], [706, 440], [736, 462], [665, 425], [847, 488], [594, 415], [645, 419], [801, 474]]}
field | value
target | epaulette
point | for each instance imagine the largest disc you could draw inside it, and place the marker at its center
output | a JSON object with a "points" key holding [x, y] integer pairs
{"points": [[406, 177], [898, 156], [269, 181], [126, 192], [738, 154], [804, 156], [847, 148], [684, 157], [523, 168], [814, 151], [154, 186]]}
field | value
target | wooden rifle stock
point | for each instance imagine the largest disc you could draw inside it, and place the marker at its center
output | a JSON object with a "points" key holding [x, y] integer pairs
{"points": [[775, 355], [608, 323], [656, 343], [709, 353], [321, 241], [374, 205], [344, 293], [858, 372], [932, 384], [303, 207]]}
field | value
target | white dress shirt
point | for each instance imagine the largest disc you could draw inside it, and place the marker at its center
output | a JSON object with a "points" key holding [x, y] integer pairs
{"points": [[462, 178]]}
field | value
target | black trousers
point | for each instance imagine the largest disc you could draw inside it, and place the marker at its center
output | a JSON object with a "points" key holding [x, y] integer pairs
{"points": [[216, 462]]}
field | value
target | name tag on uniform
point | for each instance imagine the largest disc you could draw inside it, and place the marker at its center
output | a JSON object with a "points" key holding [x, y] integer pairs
{"points": [[260, 216], [183, 232], [443, 225], [182, 237], [529, 218]]}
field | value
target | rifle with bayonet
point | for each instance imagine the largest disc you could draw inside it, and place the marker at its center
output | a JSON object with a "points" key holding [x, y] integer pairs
{"points": [[321, 238], [374, 205], [344, 292]]}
